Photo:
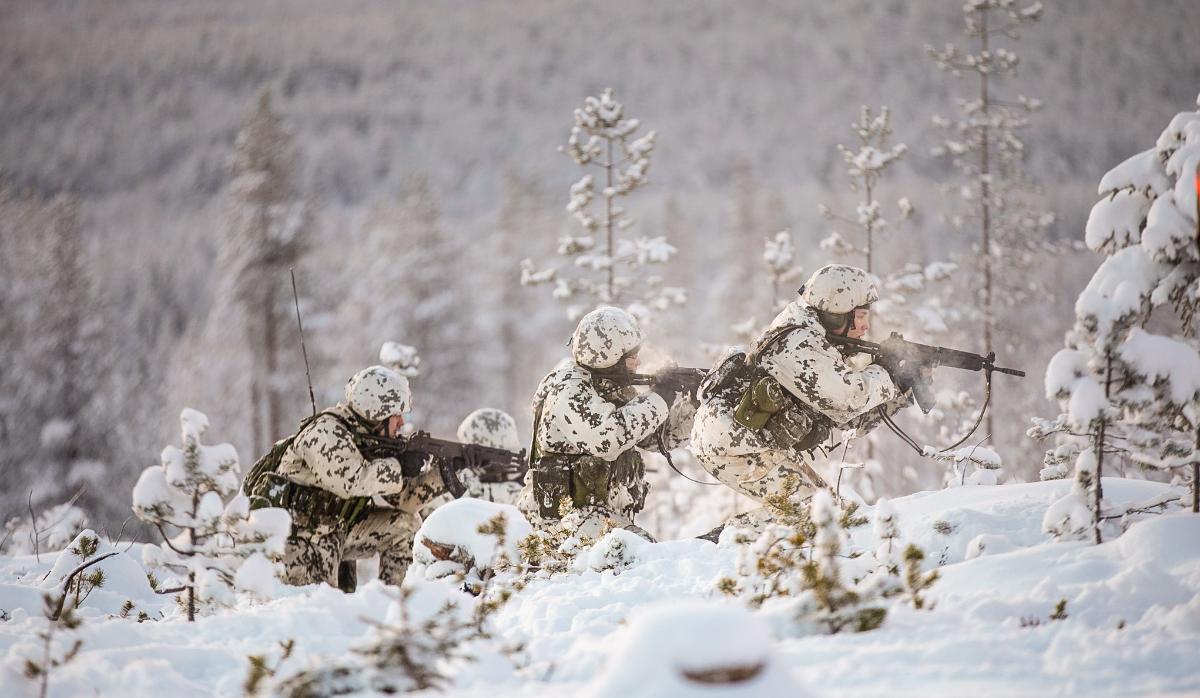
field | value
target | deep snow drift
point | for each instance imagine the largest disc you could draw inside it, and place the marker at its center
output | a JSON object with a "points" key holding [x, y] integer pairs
{"points": [[656, 627]]}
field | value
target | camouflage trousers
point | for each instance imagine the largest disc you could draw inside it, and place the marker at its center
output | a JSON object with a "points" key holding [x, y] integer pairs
{"points": [[761, 475], [317, 545]]}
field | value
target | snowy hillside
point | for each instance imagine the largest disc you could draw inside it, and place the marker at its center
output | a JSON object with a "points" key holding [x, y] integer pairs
{"points": [[1131, 625]]}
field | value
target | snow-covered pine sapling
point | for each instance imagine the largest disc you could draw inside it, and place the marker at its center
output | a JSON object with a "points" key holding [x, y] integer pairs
{"points": [[59, 617], [799, 558], [779, 259], [827, 600], [404, 656], [984, 144], [911, 295], [865, 165], [887, 555], [84, 583], [1000, 203], [779, 256], [262, 668], [49, 530], [982, 463], [1124, 390], [915, 580], [218, 547], [608, 262]]}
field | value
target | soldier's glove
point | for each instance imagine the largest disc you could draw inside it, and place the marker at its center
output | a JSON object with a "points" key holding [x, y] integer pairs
{"points": [[904, 372], [923, 389], [666, 389]]}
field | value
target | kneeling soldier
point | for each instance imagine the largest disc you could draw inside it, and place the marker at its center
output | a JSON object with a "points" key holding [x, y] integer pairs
{"points": [[587, 425], [336, 496], [757, 427]]}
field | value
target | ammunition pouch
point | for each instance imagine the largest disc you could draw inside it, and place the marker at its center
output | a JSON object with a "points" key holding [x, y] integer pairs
{"points": [[589, 481], [762, 399], [788, 424], [275, 490], [551, 474]]}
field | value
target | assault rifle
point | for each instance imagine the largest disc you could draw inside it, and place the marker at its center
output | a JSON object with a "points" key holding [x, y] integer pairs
{"points": [[677, 378], [493, 464], [904, 360]]}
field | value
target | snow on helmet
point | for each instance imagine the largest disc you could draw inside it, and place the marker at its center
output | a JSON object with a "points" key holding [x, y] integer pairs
{"points": [[490, 427], [377, 393], [839, 288], [604, 336]]}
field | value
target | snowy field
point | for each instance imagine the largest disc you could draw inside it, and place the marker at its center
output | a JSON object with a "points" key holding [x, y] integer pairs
{"points": [[1132, 623]]}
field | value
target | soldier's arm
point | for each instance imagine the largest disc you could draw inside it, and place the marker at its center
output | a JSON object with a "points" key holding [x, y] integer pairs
{"points": [[328, 450], [678, 427], [810, 368], [594, 425], [424, 490], [867, 422]]}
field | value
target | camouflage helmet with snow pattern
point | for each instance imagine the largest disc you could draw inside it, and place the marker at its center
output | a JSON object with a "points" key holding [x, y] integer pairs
{"points": [[490, 427], [377, 393], [604, 336], [839, 288]]}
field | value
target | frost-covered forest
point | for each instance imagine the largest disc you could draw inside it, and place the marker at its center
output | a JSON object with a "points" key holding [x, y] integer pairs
{"points": [[1019, 177], [424, 168]]}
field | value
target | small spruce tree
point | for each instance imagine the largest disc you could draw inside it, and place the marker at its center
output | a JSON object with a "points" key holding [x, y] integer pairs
{"points": [[609, 262], [219, 547], [1128, 393]]}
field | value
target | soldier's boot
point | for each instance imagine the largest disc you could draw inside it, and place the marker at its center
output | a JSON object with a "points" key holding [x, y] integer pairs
{"points": [[388, 533], [348, 576], [714, 535]]}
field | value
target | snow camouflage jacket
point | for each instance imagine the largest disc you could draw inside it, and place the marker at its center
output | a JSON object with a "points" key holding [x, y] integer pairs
{"points": [[585, 415], [324, 455], [812, 370]]}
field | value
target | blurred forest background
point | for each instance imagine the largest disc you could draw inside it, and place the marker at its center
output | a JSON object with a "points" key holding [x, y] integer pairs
{"points": [[407, 152]]}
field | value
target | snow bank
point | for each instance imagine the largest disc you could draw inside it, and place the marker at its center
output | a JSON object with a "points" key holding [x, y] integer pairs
{"points": [[692, 648], [1132, 624]]}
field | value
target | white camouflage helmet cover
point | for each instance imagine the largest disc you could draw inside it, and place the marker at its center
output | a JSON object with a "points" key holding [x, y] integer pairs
{"points": [[490, 427], [377, 393], [604, 336], [839, 288]]}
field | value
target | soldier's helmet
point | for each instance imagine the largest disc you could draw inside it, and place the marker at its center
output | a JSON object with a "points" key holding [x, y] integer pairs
{"points": [[377, 393], [604, 336], [839, 288], [490, 427]]}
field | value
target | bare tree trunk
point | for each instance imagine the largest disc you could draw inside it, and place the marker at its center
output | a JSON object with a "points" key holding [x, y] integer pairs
{"points": [[870, 227], [1099, 489], [270, 357], [985, 208], [256, 425], [1196, 479], [191, 589], [608, 219]]}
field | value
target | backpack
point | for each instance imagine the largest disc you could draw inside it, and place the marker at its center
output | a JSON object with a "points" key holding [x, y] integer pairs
{"points": [[269, 464]]}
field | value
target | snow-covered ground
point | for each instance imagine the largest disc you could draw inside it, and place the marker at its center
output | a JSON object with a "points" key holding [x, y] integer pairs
{"points": [[1132, 625]]}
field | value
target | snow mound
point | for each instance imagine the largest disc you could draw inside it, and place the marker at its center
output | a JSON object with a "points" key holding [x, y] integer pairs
{"points": [[456, 525], [693, 648]]}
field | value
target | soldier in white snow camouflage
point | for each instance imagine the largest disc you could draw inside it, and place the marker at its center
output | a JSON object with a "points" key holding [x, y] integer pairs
{"points": [[493, 428], [587, 427], [756, 428], [336, 495]]}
